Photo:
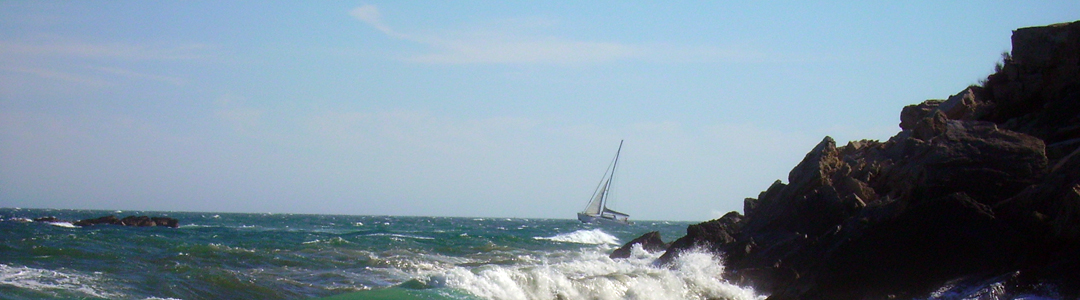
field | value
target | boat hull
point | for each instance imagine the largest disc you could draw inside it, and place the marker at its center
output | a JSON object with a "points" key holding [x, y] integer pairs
{"points": [[594, 219]]}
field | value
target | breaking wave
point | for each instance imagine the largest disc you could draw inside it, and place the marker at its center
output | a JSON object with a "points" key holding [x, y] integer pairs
{"points": [[56, 283], [584, 236], [592, 275]]}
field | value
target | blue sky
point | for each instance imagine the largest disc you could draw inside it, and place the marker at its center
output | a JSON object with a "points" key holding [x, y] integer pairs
{"points": [[478, 108]]}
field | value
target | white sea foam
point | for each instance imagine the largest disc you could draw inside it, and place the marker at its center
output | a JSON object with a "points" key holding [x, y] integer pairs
{"points": [[63, 224], [403, 236], [196, 226], [49, 281], [583, 236], [592, 275], [334, 240], [228, 249]]}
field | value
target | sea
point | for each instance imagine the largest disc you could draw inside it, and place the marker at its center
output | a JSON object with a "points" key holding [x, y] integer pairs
{"points": [[339, 257]]}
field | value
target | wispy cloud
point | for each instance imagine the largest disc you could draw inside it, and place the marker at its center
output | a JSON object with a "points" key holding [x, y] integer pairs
{"points": [[94, 64], [502, 46], [121, 50], [505, 50], [370, 14], [59, 75], [92, 76]]}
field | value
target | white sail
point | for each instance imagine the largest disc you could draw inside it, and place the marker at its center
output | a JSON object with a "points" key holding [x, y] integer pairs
{"points": [[597, 202], [614, 213], [596, 211]]}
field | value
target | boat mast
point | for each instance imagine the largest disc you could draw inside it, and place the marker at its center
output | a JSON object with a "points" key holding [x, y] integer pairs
{"points": [[603, 200]]}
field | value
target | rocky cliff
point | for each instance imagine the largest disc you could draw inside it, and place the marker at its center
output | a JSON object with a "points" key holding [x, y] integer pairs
{"points": [[983, 184]]}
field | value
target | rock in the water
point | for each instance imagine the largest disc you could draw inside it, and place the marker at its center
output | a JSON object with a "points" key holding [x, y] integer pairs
{"points": [[110, 219], [138, 221], [49, 219], [650, 242]]}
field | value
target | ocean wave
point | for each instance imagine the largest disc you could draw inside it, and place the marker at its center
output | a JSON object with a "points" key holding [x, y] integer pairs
{"points": [[583, 236], [398, 235], [199, 226], [693, 275], [330, 241], [56, 282]]}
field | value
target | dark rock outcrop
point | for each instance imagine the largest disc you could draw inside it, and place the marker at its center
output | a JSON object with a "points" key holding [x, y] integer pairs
{"points": [[706, 235], [137, 221], [110, 219], [984, 184], [49, 219], [649, 241]]}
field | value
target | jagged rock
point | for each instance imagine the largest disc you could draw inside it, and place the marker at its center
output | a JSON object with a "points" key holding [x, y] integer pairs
{"points": [[965, 105], [837, 193], [984, 183], [911, 114], [650, 242], [1037, 91], [826, 187], [708, 236], [941, 157]]}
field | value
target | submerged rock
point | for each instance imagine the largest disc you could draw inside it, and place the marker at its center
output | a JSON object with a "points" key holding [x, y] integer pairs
{"points": [[984, 183]]}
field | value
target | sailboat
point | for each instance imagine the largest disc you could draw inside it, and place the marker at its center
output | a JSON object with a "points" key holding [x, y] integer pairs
{"points": [[596, 211]]}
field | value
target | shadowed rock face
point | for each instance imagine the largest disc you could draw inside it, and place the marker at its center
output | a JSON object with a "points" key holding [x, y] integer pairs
{"points": [[984, 183]]}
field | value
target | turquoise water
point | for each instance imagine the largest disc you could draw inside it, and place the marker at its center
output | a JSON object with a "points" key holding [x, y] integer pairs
{"points": [[287, 256]]}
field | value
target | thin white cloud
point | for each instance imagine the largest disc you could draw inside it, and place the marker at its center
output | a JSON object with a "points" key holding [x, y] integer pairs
{"points": [[501, 47], [370, 14], [525, 51]]}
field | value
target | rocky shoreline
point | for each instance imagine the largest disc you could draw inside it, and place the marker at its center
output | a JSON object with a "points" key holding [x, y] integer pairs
{"points": [[984, 184]]}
